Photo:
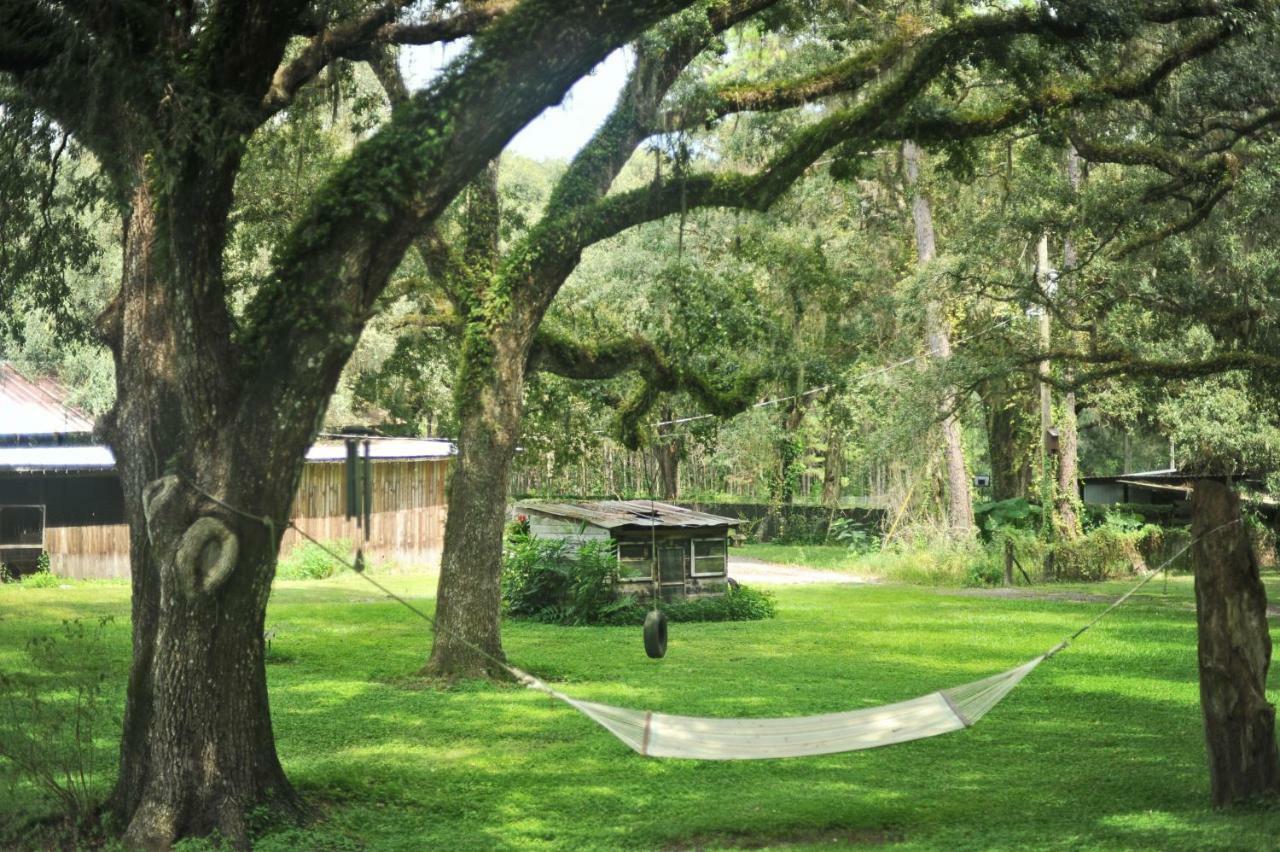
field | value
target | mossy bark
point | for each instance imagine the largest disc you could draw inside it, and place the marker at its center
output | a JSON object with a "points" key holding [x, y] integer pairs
{"points": [[468, 635], [197, 750], [1234, 652]]}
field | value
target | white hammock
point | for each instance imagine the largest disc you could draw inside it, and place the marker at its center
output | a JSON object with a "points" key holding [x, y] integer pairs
{"points": [[703, 738]]}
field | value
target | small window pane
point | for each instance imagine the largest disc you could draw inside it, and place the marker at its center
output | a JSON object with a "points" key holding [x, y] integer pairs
{"points": [[635, 561], [21, 525], [712, 547], [633, 550]]}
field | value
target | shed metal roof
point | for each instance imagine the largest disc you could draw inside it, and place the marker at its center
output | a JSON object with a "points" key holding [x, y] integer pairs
{"points": [[64, 458], [611, 514], [36, 407]]}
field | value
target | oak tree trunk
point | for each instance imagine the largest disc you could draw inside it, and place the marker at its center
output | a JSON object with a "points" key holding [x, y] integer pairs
{"points": [[1068, 434], [833, 467], [197, 750], [1068, 502], [468, 635], [666, 454], [1234, 651]]}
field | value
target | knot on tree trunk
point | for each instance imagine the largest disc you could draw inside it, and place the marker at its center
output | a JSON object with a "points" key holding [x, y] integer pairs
{"points": [[206, 556], [156, 494]]}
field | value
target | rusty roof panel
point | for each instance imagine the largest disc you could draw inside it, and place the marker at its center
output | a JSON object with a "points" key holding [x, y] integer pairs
{"points": [[611, 514], [36, 408]]}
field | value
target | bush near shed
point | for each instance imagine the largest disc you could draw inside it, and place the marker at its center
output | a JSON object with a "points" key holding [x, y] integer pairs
{"points": [[551, 581]]}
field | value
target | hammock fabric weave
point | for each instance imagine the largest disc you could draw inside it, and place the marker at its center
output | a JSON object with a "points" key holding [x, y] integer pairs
{"points": [[703, 738]]}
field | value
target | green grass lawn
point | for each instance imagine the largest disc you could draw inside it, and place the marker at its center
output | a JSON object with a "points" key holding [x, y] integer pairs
{"points": [[1099, 748], [920, 565], [826, 557]]}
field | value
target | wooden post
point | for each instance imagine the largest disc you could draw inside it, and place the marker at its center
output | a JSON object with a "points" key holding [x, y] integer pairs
{"points": [[1234, 651], [1008, 562]]}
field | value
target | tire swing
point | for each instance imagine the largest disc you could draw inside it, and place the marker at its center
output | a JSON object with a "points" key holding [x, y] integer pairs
{"points": [[655, 623], [655, 634]]}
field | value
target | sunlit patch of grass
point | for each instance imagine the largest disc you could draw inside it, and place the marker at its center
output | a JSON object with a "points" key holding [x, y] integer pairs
{"points": [[1099, 748]]}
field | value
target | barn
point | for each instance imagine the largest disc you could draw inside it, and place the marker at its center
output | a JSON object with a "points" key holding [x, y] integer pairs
{"points": [[683, 552], [59, 493]]}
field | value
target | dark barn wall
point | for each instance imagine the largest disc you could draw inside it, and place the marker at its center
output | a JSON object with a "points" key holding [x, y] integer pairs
{"points": [[70, 500], [84, 530]]}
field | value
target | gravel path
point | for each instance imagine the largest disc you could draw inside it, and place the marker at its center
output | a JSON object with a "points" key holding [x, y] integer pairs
{"points": [[755, 572]]}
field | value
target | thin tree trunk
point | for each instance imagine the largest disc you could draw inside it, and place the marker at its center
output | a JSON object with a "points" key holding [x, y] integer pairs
{"points": [[833, 466], [1068, 502], [938, 341], [1048, 485], [1234, 652]]}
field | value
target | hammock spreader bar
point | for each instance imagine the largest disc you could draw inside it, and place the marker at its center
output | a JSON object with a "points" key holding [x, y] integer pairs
{"points": [[703, 738]]}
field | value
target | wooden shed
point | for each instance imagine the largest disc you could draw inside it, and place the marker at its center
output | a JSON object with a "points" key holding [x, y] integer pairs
{"points": [[60, 495], [680, 551]]}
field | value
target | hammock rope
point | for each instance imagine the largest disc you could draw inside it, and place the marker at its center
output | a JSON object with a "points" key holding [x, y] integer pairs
{"points": [[662, 735]]}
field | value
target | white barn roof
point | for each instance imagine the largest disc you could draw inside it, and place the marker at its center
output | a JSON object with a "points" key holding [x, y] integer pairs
{"points": [[36, 407]]}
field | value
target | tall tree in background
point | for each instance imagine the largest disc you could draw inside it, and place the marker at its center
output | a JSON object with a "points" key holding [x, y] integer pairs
{"points": [[938, 344]]}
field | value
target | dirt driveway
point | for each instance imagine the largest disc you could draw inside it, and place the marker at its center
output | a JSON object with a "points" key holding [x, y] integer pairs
{"points": [[753, 572]]}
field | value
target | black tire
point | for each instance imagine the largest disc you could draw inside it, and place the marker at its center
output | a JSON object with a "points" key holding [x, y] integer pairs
{"points": [[655, 635]]}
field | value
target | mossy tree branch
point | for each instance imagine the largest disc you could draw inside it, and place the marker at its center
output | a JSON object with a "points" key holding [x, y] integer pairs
{"points": [[360, 36], [561, 356], [305, 320], [862, 123]]}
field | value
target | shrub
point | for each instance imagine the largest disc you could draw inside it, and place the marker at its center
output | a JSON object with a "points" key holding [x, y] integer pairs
{"points": [[309, 561], [48, 718], [857, 538], [1004, 516], [551, 580], [1111, 550], [736, 604], [41, 580]]}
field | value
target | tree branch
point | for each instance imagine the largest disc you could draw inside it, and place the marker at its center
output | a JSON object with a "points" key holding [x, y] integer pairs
{"points": [[355, 38], [303, 322], [556, 354]]}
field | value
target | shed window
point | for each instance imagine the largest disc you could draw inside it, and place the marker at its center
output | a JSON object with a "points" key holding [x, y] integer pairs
{"points": [[710, 557], [22, 526], [635, 560]]}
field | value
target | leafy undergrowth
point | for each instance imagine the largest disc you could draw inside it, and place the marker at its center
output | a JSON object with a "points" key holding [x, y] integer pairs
{"points": [[1099, 748], [932, 566]]}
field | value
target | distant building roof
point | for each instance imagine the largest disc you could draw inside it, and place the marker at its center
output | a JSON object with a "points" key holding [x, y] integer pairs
{"points": [[385, 448], [62, 458], [36, 408], [612, 514], [56, 457]]}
